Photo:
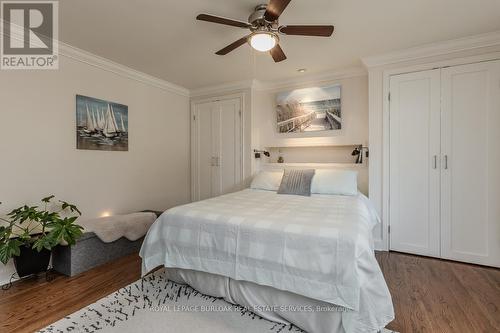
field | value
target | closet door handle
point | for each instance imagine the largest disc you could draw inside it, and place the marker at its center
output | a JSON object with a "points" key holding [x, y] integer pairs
{"points": [[445, 162], [435, 162]]}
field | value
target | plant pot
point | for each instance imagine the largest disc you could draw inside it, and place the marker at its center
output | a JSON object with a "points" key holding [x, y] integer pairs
{"points": [[31, 261]]}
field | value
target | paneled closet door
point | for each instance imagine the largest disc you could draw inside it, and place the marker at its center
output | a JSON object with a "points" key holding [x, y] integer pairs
{"points": [[470, 201], [216, 148], [414, 163], [227, 147], [231, 163], [203, 150]]}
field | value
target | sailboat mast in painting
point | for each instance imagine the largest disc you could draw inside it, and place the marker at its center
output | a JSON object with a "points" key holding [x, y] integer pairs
{"points": [[96, 125]]}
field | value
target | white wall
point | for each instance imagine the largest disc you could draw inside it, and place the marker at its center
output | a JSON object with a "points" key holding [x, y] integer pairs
{"points": [[354, 95], [38, 154], [319, 147]]}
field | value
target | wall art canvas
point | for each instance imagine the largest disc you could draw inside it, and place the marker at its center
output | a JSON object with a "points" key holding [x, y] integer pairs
{"points": [[101, 125], [309, 110]]}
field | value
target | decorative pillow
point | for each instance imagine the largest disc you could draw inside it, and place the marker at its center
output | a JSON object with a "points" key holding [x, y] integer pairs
{"points": [[335, 181], [296, 182], [267, 180]]}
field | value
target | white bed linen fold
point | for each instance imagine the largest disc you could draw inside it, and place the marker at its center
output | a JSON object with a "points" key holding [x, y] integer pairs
{"points": [[319, 247]]}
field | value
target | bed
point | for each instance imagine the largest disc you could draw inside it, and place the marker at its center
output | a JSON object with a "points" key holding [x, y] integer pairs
{"points": [[292, 259]]}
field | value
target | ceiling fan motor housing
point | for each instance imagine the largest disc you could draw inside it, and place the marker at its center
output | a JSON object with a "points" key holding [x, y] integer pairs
{"points": [[257, 17]]}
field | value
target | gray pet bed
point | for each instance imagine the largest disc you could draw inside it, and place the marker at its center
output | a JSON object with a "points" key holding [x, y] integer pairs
{"points": [[90, 252]]}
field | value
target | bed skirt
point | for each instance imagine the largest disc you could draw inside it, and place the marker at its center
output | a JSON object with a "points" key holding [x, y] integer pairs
{"points": [[276, 305]]}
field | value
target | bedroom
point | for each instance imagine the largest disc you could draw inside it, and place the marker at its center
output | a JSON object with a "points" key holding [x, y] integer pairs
{"points": [[228, 166]]}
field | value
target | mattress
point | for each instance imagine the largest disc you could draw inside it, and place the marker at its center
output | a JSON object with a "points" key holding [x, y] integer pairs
{"points": [[318, 247]]}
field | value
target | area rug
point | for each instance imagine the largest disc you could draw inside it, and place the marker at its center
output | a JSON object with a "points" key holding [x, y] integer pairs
{"points": [[155, 304]]}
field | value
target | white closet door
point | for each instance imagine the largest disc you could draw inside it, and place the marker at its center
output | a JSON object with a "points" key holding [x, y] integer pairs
{"points": [[226, 142], [414, 159], [471, 163], [230, 158], [203, 151], [217, 148]]}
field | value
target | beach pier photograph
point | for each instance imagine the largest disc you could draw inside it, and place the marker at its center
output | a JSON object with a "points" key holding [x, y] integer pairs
{"points": [[309, 110]]}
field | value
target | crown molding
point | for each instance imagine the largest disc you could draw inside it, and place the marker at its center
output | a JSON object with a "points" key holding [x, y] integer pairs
{"points": [[222, 88], [260, 85], [324, 77], [435, 49], [91, 59]]}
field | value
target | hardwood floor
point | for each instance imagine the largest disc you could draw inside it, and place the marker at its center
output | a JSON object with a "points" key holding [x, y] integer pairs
{"points": [[433, 295], [429, 295], [35, 303]]}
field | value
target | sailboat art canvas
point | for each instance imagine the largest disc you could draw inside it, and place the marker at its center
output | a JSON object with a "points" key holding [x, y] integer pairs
{"points": [[101, 125]]}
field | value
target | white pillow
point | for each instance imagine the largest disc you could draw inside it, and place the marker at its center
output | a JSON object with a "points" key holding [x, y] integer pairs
{"points": [[267, 180], [335, 181]]}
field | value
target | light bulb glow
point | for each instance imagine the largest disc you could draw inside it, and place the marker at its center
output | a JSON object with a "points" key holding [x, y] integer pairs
{"points": [[263, 42]]}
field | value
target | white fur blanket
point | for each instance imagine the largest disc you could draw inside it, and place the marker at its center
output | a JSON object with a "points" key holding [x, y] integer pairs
{"points": [[131, 226]]}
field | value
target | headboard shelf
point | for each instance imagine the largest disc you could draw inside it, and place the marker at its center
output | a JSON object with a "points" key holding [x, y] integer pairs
{"points": [[309, 145], [318, 165], [341, 154]]}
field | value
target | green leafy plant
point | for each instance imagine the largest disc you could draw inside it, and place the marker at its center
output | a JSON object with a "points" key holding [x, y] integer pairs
{"points": [[38, 228]]}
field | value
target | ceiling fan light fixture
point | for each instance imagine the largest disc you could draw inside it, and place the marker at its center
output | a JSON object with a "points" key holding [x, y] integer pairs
{"points": [[263, 41], [265, 30]]}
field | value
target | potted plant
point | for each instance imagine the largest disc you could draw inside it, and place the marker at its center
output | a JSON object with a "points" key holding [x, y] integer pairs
{"points": [[29, 233]]}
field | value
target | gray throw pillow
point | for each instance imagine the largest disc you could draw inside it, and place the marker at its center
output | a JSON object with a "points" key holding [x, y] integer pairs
{"points": [[296, 182]]}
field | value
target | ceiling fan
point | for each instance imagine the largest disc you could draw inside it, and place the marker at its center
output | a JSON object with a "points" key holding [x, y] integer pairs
{"points": [[265, 29]]}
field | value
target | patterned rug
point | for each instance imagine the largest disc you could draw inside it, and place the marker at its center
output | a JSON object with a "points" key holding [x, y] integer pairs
{"points": [[155, 304]]}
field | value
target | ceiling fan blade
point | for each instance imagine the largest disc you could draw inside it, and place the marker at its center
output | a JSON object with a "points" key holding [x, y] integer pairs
{"points": [[223, 20], [274, 9], [277, 53], [232, 46], [307, 30]]}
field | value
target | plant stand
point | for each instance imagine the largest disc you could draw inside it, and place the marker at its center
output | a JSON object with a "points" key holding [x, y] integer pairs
{"points": [[31, 261]]}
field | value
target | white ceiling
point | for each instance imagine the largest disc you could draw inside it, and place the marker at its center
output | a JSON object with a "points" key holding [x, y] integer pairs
{"points": [[162, 37]]}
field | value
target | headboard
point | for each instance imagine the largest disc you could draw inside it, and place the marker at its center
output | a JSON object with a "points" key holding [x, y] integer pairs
{"points": [[362, 170]]}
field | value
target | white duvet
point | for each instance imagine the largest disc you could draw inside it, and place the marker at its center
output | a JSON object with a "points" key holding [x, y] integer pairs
{"points": [[319, 247]]}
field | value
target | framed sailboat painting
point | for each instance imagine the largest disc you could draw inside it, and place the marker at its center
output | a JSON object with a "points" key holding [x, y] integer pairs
{"points": [[101, 125]]}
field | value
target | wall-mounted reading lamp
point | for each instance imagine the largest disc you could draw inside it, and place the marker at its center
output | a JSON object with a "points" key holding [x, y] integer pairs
{"points": [[258, 152], [358, 151]]}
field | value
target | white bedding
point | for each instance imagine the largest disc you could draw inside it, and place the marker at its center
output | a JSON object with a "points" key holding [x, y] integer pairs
{"points": [[319, 247]]}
